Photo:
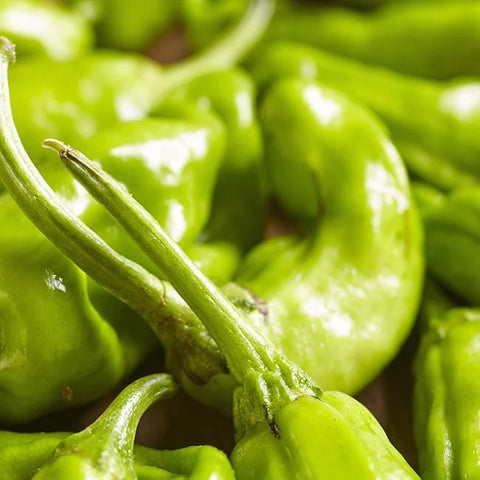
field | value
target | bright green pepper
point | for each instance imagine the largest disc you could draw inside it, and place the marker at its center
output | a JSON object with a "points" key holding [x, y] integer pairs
{"points": [[452, 242], [285, 425], [342, 298], [446, 36], [447, 399], [43, 28], [438, 121], [105, 449]]}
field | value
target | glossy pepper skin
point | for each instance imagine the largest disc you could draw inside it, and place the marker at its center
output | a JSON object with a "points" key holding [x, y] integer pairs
{"points": [[40, 287], [274, 394], [44, 29], [452, 242], [105, 89], [446, 395], [342, 298], [105, 449], [420, 114], [24, 453], [239, 204], [114, 24], [74, 100], [438, 32]]}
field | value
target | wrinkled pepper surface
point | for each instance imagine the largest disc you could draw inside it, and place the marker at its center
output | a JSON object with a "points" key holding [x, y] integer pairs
{"points": [[238, 208], [446, 397]]}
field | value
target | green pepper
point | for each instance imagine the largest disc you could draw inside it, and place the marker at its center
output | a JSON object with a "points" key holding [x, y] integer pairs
{"points": [[452, 242], [105, 449], [342, 297], [127, 25], [446, 397], [446, 38], [44, 28], [282, 418], [420, 114]]}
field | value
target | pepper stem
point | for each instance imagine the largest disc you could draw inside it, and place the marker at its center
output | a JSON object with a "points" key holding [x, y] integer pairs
{"points": [[246, 351], [221, 318], [267, 378], [106, 447], [231, 49], [153, 299]]}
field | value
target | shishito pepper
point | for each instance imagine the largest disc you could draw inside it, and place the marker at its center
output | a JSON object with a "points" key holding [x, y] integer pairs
{"points": [[44, 29], [343, 295], [447, 399], [276, 403], [433, 124], [105, 449], [104, 328]]}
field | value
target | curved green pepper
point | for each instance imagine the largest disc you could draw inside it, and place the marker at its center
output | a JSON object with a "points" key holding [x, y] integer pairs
{"points": [[283, 420], [44, 28], [447, 399], [105, 449], [342, 299], [446, 36], [420, 114]]}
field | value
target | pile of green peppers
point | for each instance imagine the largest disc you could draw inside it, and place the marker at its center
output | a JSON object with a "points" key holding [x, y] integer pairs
{"points": [[256, 231]]}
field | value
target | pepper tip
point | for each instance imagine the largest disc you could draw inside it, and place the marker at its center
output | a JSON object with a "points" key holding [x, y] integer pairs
{"points": [[56, 145], [7, 49]]}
